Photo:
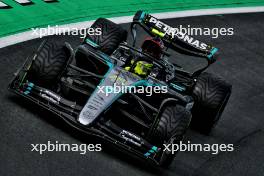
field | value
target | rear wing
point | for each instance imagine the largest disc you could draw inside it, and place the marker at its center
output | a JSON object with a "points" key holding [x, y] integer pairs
{"points": [[174, 39]]}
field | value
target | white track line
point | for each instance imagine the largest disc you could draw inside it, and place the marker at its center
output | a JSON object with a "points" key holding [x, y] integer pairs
{"points": [[28, 35]]}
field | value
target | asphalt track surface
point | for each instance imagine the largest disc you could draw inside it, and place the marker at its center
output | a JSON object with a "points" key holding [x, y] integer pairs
{"points": [[241, 63]]}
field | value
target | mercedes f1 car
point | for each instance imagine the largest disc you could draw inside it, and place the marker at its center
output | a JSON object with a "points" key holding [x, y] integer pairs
{"points": [[74, 84]]}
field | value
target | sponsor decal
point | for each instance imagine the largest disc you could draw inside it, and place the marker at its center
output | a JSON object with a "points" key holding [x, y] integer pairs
{"points": [[131, 138], [161, 26], [174, 32]]}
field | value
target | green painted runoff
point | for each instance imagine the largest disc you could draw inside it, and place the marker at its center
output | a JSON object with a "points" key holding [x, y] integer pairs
{"points": [[40, 14]]}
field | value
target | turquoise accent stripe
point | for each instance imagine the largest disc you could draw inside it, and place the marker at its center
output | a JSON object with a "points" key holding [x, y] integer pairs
{"points": [[29, 88], [213, 51], [147, 154], [154, 149], [30, 84], [26, 92], [142, 16], [90, 42], [178, 87]]}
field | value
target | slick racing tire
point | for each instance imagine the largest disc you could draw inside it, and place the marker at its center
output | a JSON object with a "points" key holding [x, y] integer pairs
{"points": [[172, 126], [49, 63], [210, 95], [112, 35]]}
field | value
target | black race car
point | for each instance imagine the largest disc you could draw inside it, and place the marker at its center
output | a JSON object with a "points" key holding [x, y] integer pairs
{"points": [[79, 86]]}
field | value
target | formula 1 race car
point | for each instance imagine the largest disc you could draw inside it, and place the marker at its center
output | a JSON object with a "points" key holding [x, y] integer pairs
{"points": [[82, 86]]}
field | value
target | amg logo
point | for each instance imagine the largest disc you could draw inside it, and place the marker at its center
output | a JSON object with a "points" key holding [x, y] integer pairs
{"points": [[173, 32]]}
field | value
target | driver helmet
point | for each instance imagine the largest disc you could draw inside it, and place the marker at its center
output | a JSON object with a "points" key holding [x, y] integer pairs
{"points": [[153, 46]]}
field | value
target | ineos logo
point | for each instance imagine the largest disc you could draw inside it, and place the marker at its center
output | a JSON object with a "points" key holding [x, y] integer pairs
{"points": [[23, 3]]}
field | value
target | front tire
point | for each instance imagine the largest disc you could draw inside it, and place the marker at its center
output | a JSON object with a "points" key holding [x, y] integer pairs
{"points": [[172, 126], [49, 63], [112, 35]]}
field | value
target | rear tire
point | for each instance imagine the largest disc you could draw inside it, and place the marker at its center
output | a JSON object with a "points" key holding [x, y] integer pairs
{"points": [[49, 63], [171, 129], [112, 35], [210, 95]]}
